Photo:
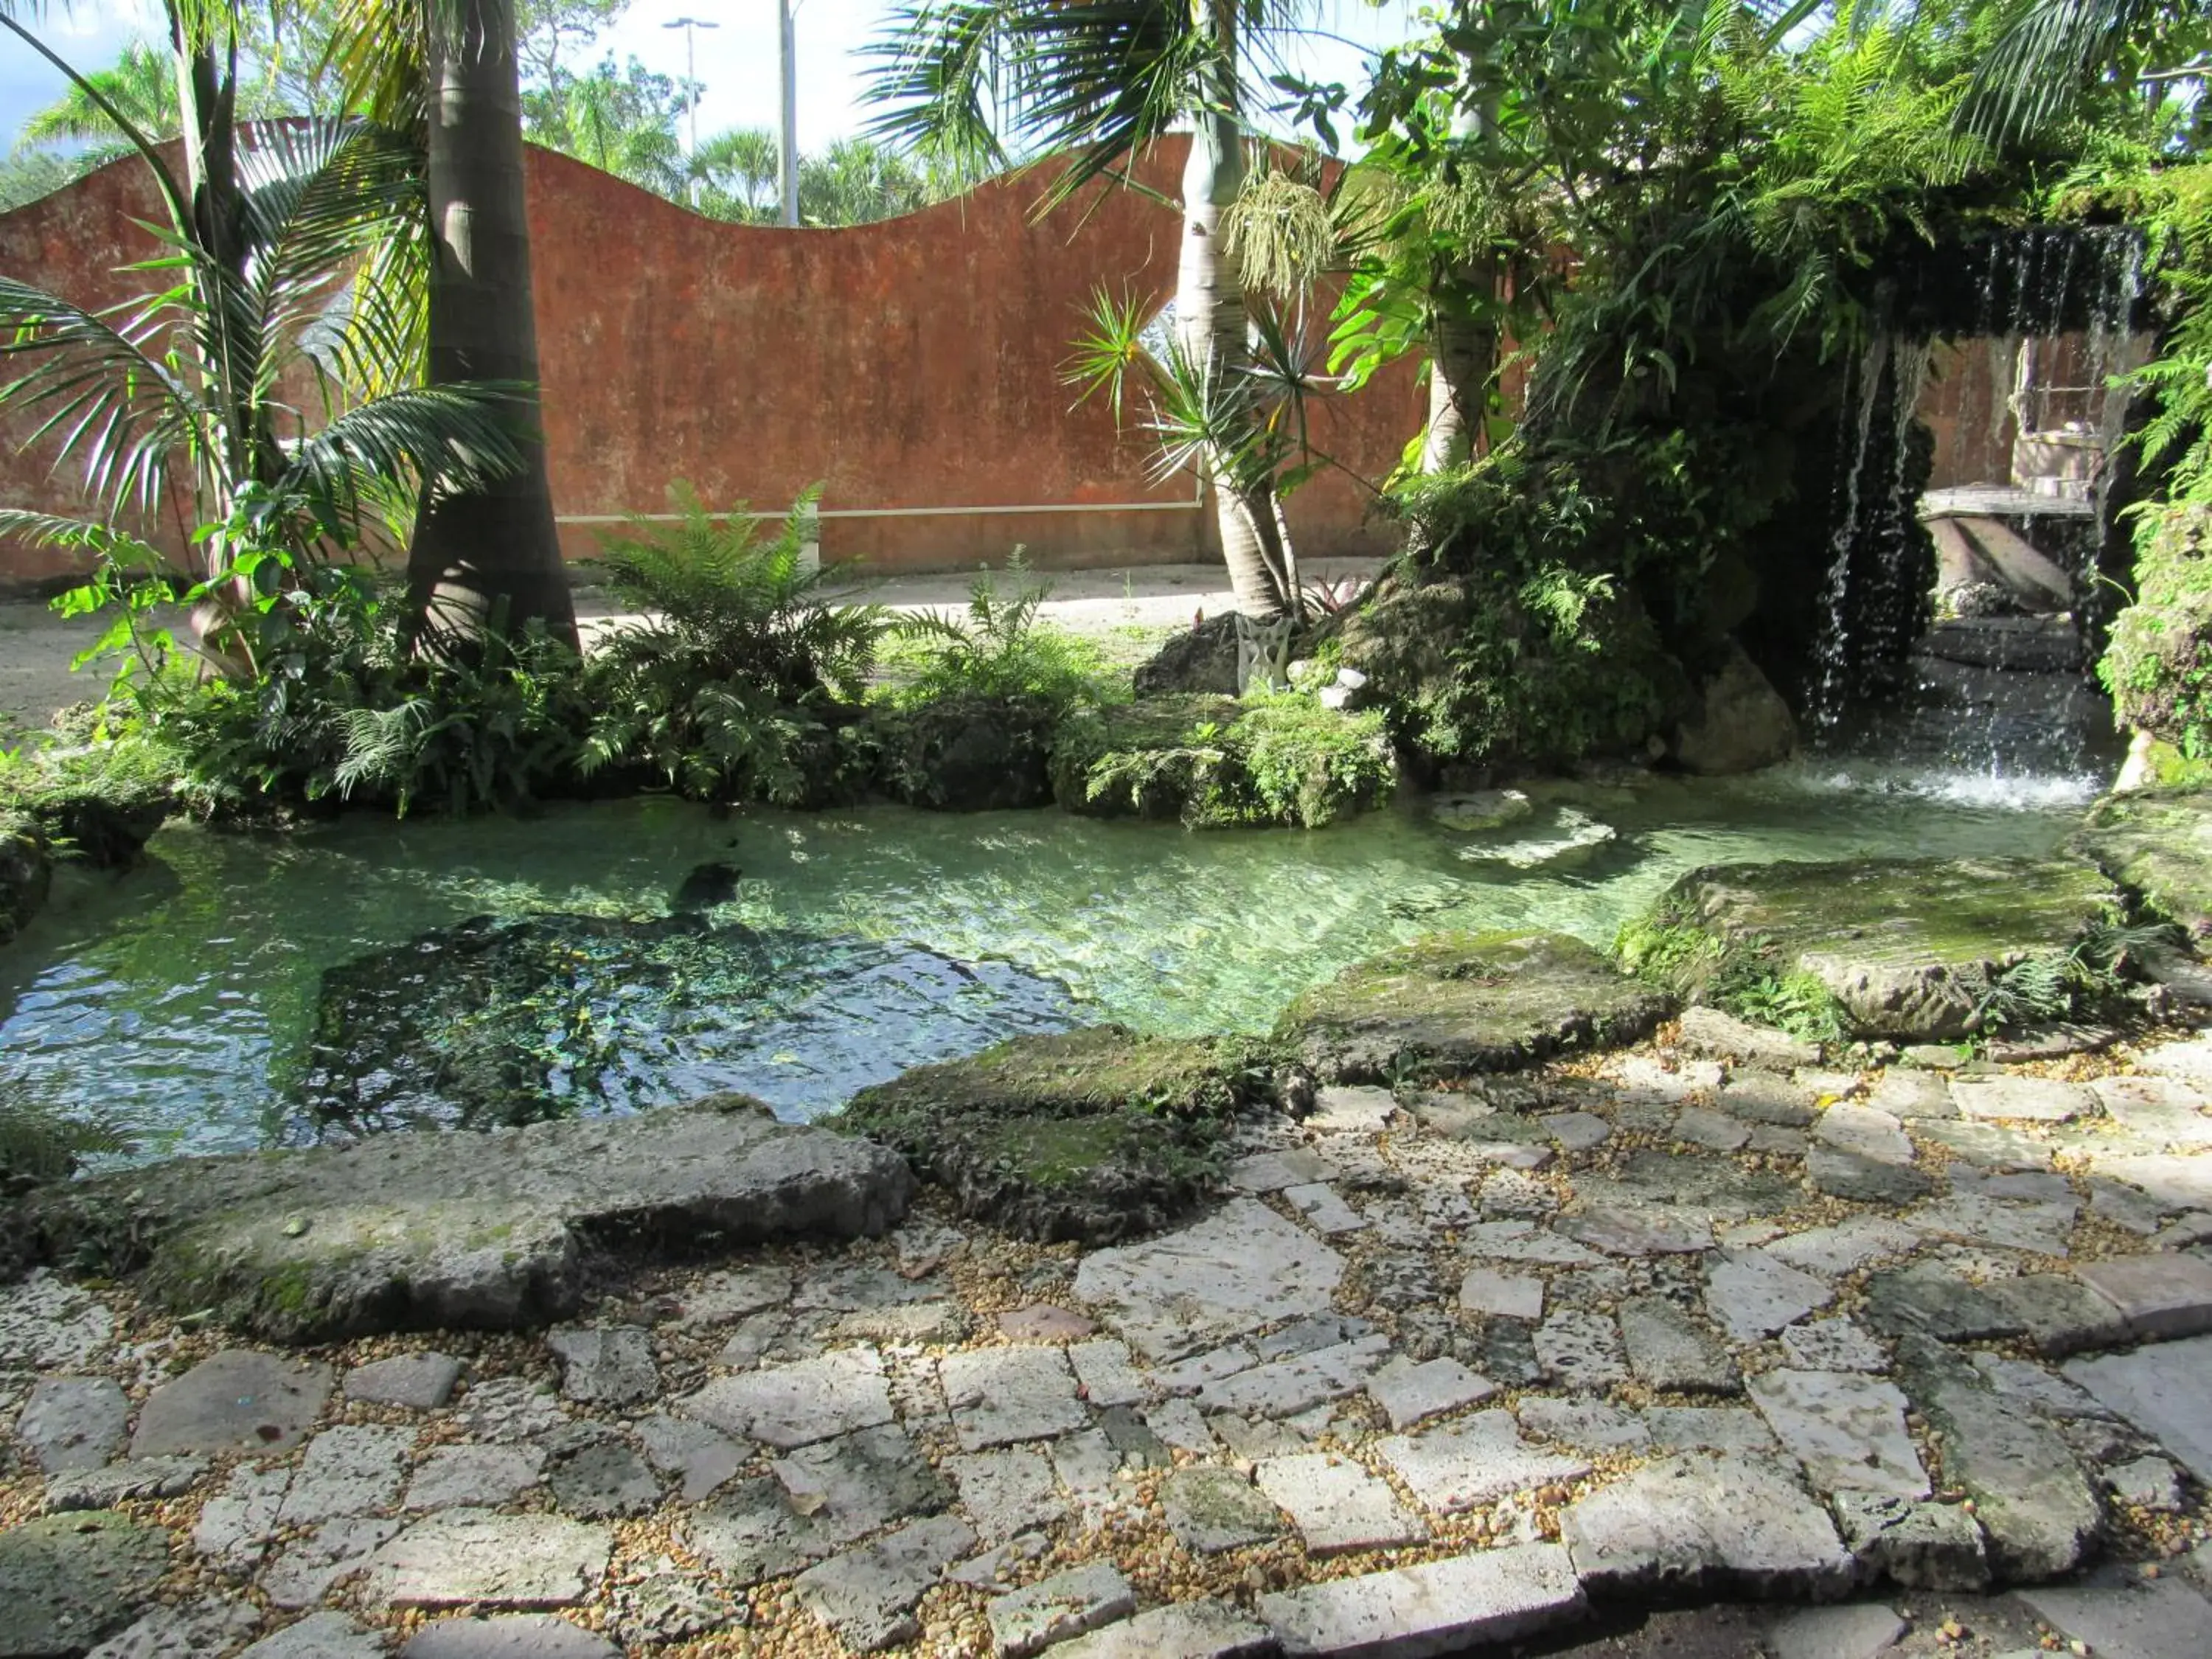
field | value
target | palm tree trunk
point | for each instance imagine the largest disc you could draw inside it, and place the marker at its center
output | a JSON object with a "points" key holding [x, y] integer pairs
{"points": [[487, 561], [1211, 324], [1462, 356]]}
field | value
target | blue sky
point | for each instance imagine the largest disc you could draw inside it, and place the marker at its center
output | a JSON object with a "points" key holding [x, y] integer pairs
{"points": [[737, 60]]}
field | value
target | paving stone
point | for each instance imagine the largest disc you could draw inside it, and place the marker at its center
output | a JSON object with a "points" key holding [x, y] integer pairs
{"points": [[1648, 1078], [1007, 1492], [2032, 1099], [1270, 1172], [239, 1401], [2160, 1296], [2146, 1483], [2059, 1314], [1523, 1241], [1753, 1295], [1322, 1210], [1188, 1629], [2156, 1108], [2177, 1181], [1866, 1131], [848, 1487], [998, 1395], [1043, 1322], [319, 1636], [412, 1382], [1501, 1296], [1932, 1297], [2126, 1208], [1712, 1428], [749, 1531], [1846, 1247], [1516, 1154], [1210, 1511], [1976, 1218], [1863, 1630], [205, 1627], [74, 1423], [1581, 1350], [1250, 1439], [119, 1483], [1909, 1094], [506, 1410], [474, 1477], [1918, 1545], [1576, 1132], [1087, 1466], [1475, 1462], [2032, 1385], [1306, 1336], [702, 1458], [868, 1594], [337, 1550], [1705, 1523], [1146, 1441], [1832, 1344], [795, 1405], [1988, 1146], [48, 1324], [1283, 1388], [1863, 1179], [1105, 1375], [2191, 1059], [595, 1475], [235, 1527], [845, 1287], [1847, 1430], [1460, 1605], [69, 1580], [514, 1635], [1241, 1268], [1336, 1504], [993, 1570], [1585, 1424], [459, 1557], [1189, 1375], [611, 1365], [1510, 1195], [2163, 1619], [1703, 1126], [1766, 1097], [1410, 1393], [910, 1324], [2160, 1389], [347, 1470], [1637, 1230], [1348, 1110], [1708, 1031], [1773, 1138], [724, 1297], [1052, 1609]]}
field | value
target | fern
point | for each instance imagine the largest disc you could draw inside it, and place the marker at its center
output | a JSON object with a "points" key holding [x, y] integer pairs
{"points": [[1001, 648], [38, 1144]]}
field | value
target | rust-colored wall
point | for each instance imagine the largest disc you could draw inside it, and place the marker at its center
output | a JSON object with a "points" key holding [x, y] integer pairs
{"points": [[913, 363]]}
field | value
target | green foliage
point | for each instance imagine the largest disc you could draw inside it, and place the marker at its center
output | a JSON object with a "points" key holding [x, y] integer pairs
{"points": [[1798, 1003], [2158, 663], [1000, 649], [39, 1144], [2088, 979], [1747, 983], [94, 795], [1667, 954]]}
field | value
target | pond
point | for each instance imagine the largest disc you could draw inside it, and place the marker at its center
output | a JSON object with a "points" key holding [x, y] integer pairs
{"points": [[236, 991]]}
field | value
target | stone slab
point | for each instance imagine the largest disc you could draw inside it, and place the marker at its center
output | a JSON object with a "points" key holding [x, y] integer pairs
{"points": [[1867, 1131], [459, 1558], [2161, 1390], [1848, 1430], [1473, 1462], [1753, 1295], [1495, 1295], [473, 1476], [319, 1636], [1105, 1375], [849, 1485], [1920, 1546], [2161, 1619], [349, 1469], [1188, 1629], [192, 1631], [1052, 1609], [1242, 1268], [68, 1581], [1321, 1208], [514, 1635], [2030, 1099], [1271, 1172], [1212, 1510], [238, 1400], [1410, 1393], [412, 1382], [1007, 1492], [1581, 1350], [1705, 1523], [118, 1483], [1000, 1395], [2160, 1296], [1478, 1600], [796, 1405], [868, 1594], [74, 1422], [2176, 1181], [1336, 1504], [610, 1366], [1862, 1630]]}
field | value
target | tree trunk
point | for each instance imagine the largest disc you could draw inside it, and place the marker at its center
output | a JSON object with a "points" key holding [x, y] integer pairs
{"points": [[1211, 327], [1462, 356], [487, 561]]}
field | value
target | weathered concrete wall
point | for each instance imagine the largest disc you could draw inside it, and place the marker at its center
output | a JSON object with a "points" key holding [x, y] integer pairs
{"points": [[914, 364]]}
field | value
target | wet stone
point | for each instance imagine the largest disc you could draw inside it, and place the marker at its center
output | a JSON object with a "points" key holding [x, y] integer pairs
{"points": [[595, 1475], [68, 1581], [1669, 1350], [347, 1470], [74, 1423], [867, 1596], [1410, 1393], [1052, 1609], [1581, 1351], [412, 1382], [1705, 1523], [1241, 1268], [1753, 1295], [461, 1557], [1210, 1511], [1863, 1179], [787, 1406], [702, 1458], [512, 1636], [1470, 1603], [1847, 1430], [2160, 1296], [1832, 1344], [1501, 1296], [1916, 1544], [1336, 1504], [1473, 1462], [1007, 1492], [1718, 1131], [998, 1395], [608, 1366], [474, 1477], [848, 1487], [2035, 1099], [238, 1400]]}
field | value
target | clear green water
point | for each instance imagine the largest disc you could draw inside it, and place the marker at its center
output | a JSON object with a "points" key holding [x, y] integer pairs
{"points": [[179, 994]]}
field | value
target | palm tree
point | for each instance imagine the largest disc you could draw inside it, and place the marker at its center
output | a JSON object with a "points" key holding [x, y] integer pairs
{"points": [[1101, 78], [140, 85], [735, 173], [2051, 51]]}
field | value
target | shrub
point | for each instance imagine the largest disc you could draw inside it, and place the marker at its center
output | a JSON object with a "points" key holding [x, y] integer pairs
{"points": [[1000, 649]]}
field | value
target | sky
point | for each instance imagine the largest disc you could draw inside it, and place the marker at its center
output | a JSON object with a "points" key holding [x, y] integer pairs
{"points": [[736, 60]]}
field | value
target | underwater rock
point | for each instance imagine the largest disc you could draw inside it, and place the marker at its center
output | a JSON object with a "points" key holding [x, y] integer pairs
{"points": [[1095, 1135], [463, 1230], [966, 753], [1740, 724], [1570, 840], [1906, 947], [490, 1022], [2158, 843], [1468, 1002], [1480, 809]]}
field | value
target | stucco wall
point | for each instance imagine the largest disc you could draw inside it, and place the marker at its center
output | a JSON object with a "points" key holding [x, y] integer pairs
{"points": [[912, 364]]}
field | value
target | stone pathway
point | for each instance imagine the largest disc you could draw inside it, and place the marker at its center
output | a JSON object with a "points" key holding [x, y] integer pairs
{"points": [[1899, 1353]]}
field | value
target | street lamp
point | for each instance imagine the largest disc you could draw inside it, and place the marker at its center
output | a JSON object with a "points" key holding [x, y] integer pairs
{"points": [[690, 25]]}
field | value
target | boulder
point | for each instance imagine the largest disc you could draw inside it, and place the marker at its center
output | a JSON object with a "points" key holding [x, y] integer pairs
{"points": [[1096, 1135], [2158, 843], [1906, 949], [966, 753], [1468, 1002], [465, 1229], [1739, 724], [70, 1580], [1203, 660]]}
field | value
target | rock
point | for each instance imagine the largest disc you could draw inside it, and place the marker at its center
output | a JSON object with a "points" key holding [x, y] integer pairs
{"points": [[998, 1395], [1918, 1545], [1708, 1031], [1336, 1504], [1903, 946], [965, 751], [1984, 1211], [1501, 1296], [1042, 1322], [1487, 1598], [1863, 1179], [1864, 1630], [613, 1366], [69, 1580], [474, 1477], [1188, 1629], [796, 1405], [703, 1458], [1739, 723], [74, 1423], [413, 1381], [868, 1594], [1706, 1524], [214, 1625], [309, 1567], [1284, 1387], [596, 1475], [1576, 1132], [235, 1525], [463, 1230], [1348, 1110], [2158, 1109], [1832, 1344], [1052, 1609], [2162, 1618], [1203, 661], [514, 1636], [1669, 1350], [2146, 1483], [1753, 1295], [1847, 1430], [1472, 1462], [1321, 1208], [2033, 1386], [2176, 1181], [1105, 1376], [1410, 1393], [1210, 1510], [506, 1410], [238, 1400], [2160, 1389], [1865, 1132], [1581, 1351], [2154, 841], [2058, 1315], [1908, 1094], [1708, 1428], [1239, 1269], [1459, 1002], [1715, 1131], [2160, 1297], [118, 1483], [2032, 1099], [1007, 1492], [1480, 809], [319, 1636], [750, 1531], [460, 1557], [348, 1470], [1934, 1299], [1583, 1423], [1767, 1097], [1635, 1229], [1988, 1145]]}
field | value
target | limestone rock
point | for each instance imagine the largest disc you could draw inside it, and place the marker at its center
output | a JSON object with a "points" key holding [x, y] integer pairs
{"points": [[1473, 1462], [796, 1405], [1706, 1524], [1212, 1510], [1668, 1349], [868, 1594], [1241, 1268], [1485, 1599], [1188, 1629], [413, 1381], [512, 1636], [1052, 1609], [1917, 1544], [1710, 1031], [68, 1581], [461, 1557], [237, 1400], [74, 1422], [2160, 1389], [1739, 723], [2157, 842]]}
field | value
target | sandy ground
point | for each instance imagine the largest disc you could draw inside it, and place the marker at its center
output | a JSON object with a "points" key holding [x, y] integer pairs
{"points": [[1128, 610]]}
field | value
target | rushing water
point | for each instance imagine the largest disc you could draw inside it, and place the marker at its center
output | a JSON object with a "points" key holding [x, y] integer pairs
{"points": [[183, 995]]}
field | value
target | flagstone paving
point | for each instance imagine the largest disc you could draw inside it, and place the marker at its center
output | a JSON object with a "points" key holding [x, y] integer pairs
{"points": [[1889, 1350]]}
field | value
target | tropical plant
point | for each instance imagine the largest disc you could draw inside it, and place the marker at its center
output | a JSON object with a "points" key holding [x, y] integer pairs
{"points": [[1000, 649], [2051, 55], [39, 1144], [622, 121]]}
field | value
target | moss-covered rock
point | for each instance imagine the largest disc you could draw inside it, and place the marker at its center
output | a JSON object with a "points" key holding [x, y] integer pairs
{"points": [[1906, 948], [101, 801], [1204, 660], [2158, 664], [1098, 1134], [966, 752], [2157, 843], [1468, 1002], [26, 872], [1215, 762]]}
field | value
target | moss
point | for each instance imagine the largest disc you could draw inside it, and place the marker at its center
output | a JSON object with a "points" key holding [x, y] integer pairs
{"points": [[964, 752], [98, 800], [1093, 1135], [2157, 844], [2158, 664]]}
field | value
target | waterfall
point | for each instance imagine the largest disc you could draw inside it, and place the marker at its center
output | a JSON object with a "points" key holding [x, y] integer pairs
{"points": [[1832, 651]]}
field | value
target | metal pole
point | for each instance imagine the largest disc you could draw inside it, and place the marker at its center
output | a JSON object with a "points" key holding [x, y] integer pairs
{"points": [[786, 159], [689, 26]]}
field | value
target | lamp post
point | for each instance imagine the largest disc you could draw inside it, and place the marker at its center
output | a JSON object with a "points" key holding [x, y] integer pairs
{"points": [[689, 26]]}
